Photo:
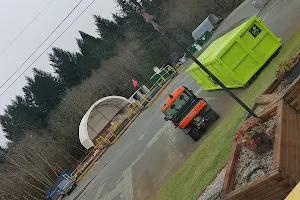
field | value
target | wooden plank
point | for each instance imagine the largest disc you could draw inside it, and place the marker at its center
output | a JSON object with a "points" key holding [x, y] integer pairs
{"points": [[268, 110], [295, 153], [272, 185], [246, 192], [273, 114], [293, 84], [298, 147], [282, 158], [259, 108], [228, 183], [272, 87], [285, 188], [284, 138], [267, 190], [282, 194], [259, 191], [273, 192], [289, 144], [288, 141], [268, 98], [295, 102], [298, 108], [292, 142], [258, 183], [278, 136], [292, 89]]}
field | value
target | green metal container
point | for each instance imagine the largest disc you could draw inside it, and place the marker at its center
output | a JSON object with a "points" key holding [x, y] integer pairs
{"points": [[235, 57], [192, 49], [201, 41]]}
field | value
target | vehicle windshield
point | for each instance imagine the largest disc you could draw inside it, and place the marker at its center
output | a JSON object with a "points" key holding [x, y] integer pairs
{"points": [[177, 105]]}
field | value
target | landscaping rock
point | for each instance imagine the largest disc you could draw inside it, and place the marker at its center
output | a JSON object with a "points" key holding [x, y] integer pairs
{"points": [[213, 190], [250, 165], [284, 84]]}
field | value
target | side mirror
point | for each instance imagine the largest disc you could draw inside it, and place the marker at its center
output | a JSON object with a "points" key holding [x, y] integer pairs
{"points": [[172, 106], [166, 118]]}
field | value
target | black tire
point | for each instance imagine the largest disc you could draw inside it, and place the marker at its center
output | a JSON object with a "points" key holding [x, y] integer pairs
{"points": [[195, 134], [215, 116], [72, 189]]}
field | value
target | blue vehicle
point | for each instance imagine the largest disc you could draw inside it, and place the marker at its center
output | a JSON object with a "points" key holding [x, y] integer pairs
{"points": [[62, 187]]}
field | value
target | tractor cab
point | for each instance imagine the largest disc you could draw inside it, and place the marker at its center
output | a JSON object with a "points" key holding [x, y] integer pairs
{"points": [[188, 112]]}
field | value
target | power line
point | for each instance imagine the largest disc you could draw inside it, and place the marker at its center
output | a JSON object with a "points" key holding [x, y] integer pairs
{"points": [[47, 48], [13, 41], [42, 43]]}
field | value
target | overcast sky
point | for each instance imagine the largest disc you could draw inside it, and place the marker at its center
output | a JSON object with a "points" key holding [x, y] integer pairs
{"points": [[15, 15]]}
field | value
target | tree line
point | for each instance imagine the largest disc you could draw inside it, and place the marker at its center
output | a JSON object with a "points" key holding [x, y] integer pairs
{"points": [[42, 124]]}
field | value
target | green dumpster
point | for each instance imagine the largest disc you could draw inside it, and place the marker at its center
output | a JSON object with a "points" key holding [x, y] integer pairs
{"points": [[192, 49], [201, 41], [235, 57]]}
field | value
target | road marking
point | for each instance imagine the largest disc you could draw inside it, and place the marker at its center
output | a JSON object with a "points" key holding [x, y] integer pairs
{"points": [[124, 188], [190, 82], [143, 135], [198, 91], [162, 116], [183, 79], [211, 98], [99, 191]]}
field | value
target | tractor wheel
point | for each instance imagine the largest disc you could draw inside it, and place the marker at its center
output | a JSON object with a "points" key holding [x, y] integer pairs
{"points": [[195, 134], [214, 116]]}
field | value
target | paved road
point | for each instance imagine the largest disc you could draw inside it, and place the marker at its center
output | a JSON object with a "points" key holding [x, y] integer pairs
{"points": [[151, 150]]}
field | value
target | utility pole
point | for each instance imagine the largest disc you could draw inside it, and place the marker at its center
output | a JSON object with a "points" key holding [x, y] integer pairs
{"points": [[150, 19]]}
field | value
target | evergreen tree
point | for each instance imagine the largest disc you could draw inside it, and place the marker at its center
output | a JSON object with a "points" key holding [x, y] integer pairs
{"points": [[94, 48], [20, 117], [108, 30], [65, 65], [45, 89], [2, 155]]}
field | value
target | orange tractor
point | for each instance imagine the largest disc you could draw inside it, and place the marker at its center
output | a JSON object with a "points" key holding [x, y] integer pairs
{"points": [[188, 112]]}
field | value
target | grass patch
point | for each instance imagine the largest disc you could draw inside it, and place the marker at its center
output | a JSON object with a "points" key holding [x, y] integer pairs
{"points": [[214, 149]]}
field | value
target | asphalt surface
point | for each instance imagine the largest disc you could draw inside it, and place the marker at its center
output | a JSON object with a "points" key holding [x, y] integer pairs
{"points": [[151, 150]]}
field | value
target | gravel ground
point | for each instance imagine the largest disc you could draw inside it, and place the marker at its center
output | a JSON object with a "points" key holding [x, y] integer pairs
{"points": [[213, 190], [282, 86], [250, 165]]}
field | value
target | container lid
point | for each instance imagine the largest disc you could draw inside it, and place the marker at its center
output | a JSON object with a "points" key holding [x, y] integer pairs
{"points": [[216, 47]]}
